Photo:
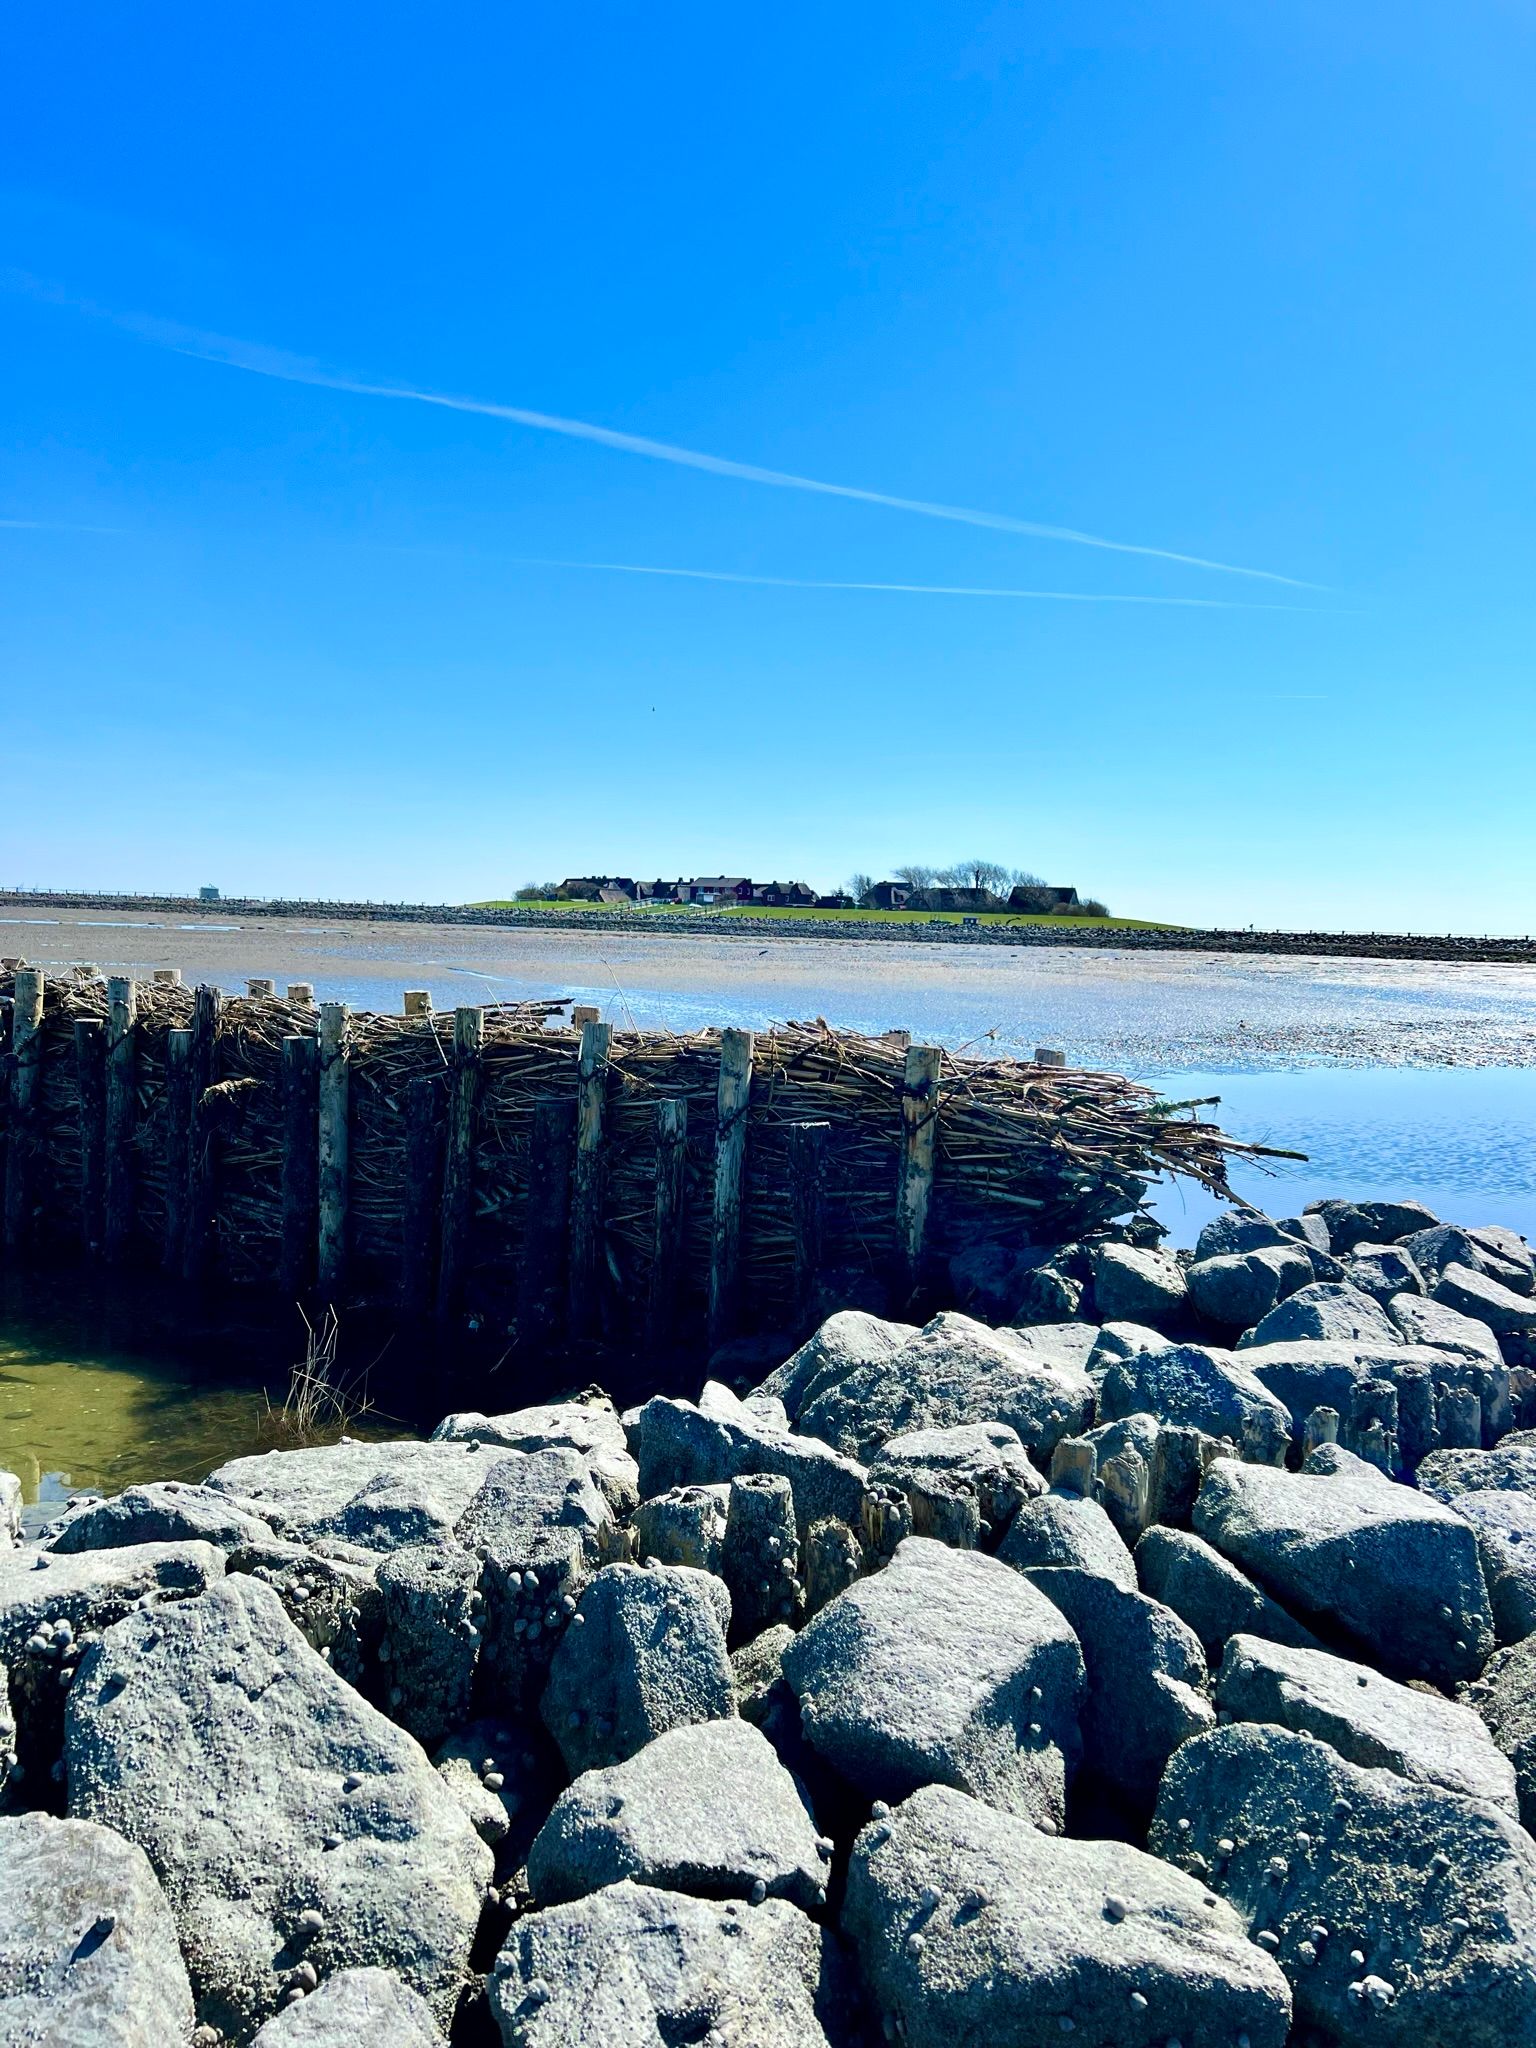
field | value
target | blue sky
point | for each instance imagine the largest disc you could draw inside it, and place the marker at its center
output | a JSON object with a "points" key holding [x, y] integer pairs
{"points": [[1247, 285]]}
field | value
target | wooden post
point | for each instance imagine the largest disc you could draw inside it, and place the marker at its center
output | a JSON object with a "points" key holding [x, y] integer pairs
{"points": [[418, 1002], [168, 977], [919, 1139], [178, 1146], [122, 1116], [733, 1099], [420, 1224], [91, 1093], [26, 1072], [587, 1191], [583, 1014], [808, 1146], [667, 1243], [459, 1160], [203, 1071], [332, 1148], [551, 1158], [301, 1094], [260, 985], [302, 992]]}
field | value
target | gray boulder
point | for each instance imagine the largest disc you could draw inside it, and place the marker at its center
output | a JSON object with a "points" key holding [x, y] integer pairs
{"points": [[1209, 1593], [542, 1527], [632, 1967], [678, 1444], [332, 1601], [1198, 1388], [944, 1668], [1370, 1720], [954, 1371], [845, 1342], [1402, 1914], [306, 1493], [707, 1809], [1146, 1678], [1326, 1310], [1236, 1289], [166, 1512], [355, 2009], [1236, 1231], [88, 1955], [684, 1525], [10, 1779], [1509, 1467], [1131, 1285], [1504, 1699], [1486, 1300], [1506, 1547], [1383, 1271], [590, 1428], [1311, 1373], [1499, 1254], [10, 1509], [973, 1931], [51, 1610], [645, 1653], [431, 1602], [983, 1461], [1377, 1222], [263, 1789], [1422, 1321], [1390, 1568], [1068, 1529]]}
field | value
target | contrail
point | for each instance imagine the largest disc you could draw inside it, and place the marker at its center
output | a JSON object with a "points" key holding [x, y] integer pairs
{"points": [[54, 526], [1219, 604], [264, 362]]}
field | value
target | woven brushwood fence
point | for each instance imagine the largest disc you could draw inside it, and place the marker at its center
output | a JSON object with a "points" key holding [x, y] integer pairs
{"points": [[512, 1160]]}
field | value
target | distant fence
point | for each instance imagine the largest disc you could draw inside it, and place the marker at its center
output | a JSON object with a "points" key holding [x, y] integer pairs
{"points": [[514, 1161]]}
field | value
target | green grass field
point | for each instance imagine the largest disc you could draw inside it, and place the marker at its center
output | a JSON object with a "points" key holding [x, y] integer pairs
{"points": [[725, 912]]}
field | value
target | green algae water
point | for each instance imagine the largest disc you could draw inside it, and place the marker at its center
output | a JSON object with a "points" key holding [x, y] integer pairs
{"points": [[99, 1392]]}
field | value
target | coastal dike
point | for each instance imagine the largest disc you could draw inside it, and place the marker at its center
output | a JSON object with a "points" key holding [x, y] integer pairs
{"points": [[698, 923]]}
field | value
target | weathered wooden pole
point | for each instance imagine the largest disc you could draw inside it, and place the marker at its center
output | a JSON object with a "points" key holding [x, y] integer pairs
{"points": [[26, 1073], [91, 1096], [808, 1147], [670, 1219], [331, 1261], [459, 1158], [203, 1072], [167, 977], [732, 1101], [121, 1117], [420, 1224], [261, 985], [542, 1294], [583, 1014], [587, 1188], [178, 1147], [919, 1140], [302, 993], [418, 1002], [301, 1163]]}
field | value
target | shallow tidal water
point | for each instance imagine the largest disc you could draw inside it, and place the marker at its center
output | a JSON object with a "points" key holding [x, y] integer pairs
{"points": [[1396, 1078]]}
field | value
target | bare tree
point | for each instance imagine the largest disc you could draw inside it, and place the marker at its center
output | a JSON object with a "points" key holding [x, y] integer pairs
{"points": [[859, 887], [916, 875]]}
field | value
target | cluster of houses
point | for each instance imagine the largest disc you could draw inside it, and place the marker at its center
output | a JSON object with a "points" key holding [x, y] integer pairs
{"points": [[705, 889], [1033, 897]]}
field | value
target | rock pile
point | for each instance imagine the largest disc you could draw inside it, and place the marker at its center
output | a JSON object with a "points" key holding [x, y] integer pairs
{"points": [[1158, 1671]]}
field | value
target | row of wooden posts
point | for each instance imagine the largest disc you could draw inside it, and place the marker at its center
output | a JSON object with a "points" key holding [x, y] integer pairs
{"points": [[563, 1251]]}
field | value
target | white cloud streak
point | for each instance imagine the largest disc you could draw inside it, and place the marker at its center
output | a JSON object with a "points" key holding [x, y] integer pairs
{"points": [[1217, 604], [290, 369]]}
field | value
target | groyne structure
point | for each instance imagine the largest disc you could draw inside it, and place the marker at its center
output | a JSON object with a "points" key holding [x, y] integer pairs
{"points": [[693, 922], [531, 1164]]}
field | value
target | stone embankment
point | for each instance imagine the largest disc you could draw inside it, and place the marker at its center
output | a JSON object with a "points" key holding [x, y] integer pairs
{"points": [[1147, 1656], [742, 924]]}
